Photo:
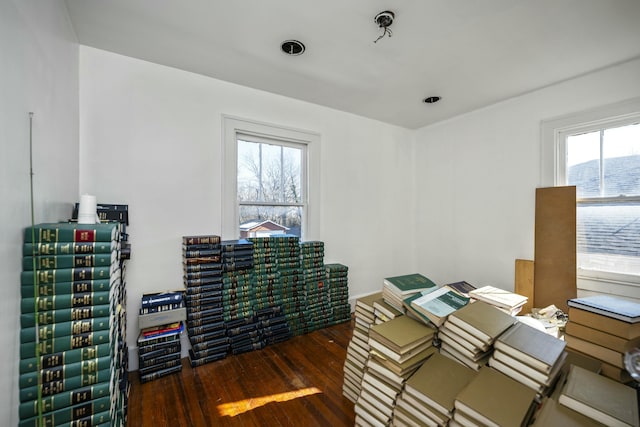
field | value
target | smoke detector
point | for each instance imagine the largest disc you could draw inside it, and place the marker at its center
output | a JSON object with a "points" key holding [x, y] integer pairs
{"points": [[384, 21]]}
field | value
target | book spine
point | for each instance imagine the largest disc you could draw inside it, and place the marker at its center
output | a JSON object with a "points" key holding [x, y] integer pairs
{"points": [[160, 366], [196, 253], [61, 233], [63, 357], [65, 315], [158, 374], [67, 342], [163, 299], [78, 327], [161, 352], [101, 419], [57, 302], [55, 387], [62, 400], [68, 248], [61, 288], [161, 308], [208, 239], [69, 370], [69, 414], [65, 275], [49, 262]]}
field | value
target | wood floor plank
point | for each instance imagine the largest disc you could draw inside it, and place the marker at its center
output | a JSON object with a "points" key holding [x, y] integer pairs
{"points": [[275, 386]]}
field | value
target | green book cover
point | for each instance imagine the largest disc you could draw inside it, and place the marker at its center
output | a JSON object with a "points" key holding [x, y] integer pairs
{"points": [[61, 288], [49, 262], [55, 387], [57, 302], [71, 232], [65, 275], [70, 414], [68, 370], [77, 327], [64, 357], [409, 283], [62, 400], [68, 248], [67, 342], [64, 315]]}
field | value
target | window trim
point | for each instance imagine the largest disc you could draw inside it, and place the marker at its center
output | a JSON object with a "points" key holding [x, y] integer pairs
{"points": [[553, 167], [232, 127]]}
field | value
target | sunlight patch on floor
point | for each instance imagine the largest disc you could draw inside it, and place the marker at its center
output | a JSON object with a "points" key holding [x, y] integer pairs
{"points": [[241, 406]]}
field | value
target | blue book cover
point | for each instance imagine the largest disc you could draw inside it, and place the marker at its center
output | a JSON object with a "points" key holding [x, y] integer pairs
{"points": [[610, 306]]}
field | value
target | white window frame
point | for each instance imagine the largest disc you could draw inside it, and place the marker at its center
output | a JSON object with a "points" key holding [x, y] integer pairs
{"points": [[232, 127], [553, 171]]}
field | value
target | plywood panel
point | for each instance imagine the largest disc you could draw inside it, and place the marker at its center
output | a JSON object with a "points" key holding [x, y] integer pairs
{"points": [[524, 282], [555, 247]]}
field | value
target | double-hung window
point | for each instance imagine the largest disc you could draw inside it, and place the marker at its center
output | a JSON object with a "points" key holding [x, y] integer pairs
{"points": [[268, 177], [599, 152]]}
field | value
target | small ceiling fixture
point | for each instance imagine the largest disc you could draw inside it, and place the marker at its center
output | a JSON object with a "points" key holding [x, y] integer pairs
{"points": [[431, 99], [384, 21], [292, 47]]}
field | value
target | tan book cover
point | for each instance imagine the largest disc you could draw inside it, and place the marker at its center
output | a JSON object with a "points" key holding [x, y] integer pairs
{"points": [[600, 398], [424, 411], [482, 320], [509, 403], [408, 366], [619, 374], [584, 361], [543, 378], [457, 331], [531, 346], [386, 309], [553, 414], [604, 354], [498, 297], [604, 339], [604, 323], [509, 371], [405, 414], [445, 334], [401, 334], [366, 302], [452, 353], [438, 381]]}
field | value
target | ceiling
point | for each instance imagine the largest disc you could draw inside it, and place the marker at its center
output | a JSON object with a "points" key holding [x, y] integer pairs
{"points": [[471, 53]]}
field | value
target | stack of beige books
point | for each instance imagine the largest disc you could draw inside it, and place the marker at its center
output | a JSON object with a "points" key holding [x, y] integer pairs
{"points": [[358, 348], [398, 348], [495, 400], [600, 398], [384, 311], [468, 334], [429, 394], [529, 356], [604, 327], [397, 288], [507, 301]]}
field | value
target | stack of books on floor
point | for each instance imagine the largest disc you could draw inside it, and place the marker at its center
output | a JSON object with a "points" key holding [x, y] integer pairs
{"points": [[73, 336], [600, 398], [202, 266], [429, 394], [238, 293], [276, 263], [529, 356], [494, 399], [468, 334], [159, 351], [397, 288], [604, 327], [383, 311], [358, 348], [398, 348], [337, 280], [509, 302], [315, 291]]}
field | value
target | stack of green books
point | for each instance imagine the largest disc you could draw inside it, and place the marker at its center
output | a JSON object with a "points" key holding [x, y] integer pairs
{"points": [[337, 279], [73, 346], [315, 290], [203, 279]]}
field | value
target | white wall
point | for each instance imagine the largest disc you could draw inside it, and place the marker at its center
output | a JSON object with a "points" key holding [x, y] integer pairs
{"points": [[151, 138], [39, 74], [477, 175]]}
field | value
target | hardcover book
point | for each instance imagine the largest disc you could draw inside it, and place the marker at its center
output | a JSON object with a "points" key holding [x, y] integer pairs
{"points": [[482, 320], [439, 303], [70, 232], [408, 283], [600, 398], [401, 334], [604, 323], [498, 297], [610, 306]]}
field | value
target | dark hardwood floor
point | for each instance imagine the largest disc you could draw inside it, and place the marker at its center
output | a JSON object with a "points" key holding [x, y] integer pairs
{"points": [[294, 383]]}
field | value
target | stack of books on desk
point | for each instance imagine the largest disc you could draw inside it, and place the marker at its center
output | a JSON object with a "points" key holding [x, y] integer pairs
{"points": [[529, 356], [398, 348], [468, 334], [604, 327], [429, 394]]}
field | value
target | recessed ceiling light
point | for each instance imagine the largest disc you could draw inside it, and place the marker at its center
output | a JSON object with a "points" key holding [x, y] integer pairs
{"points": [[431, 99], [292, 47]]}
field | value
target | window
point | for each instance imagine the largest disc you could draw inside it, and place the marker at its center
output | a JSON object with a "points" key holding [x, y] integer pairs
{"points": [[599, 153], [270, 180]]}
